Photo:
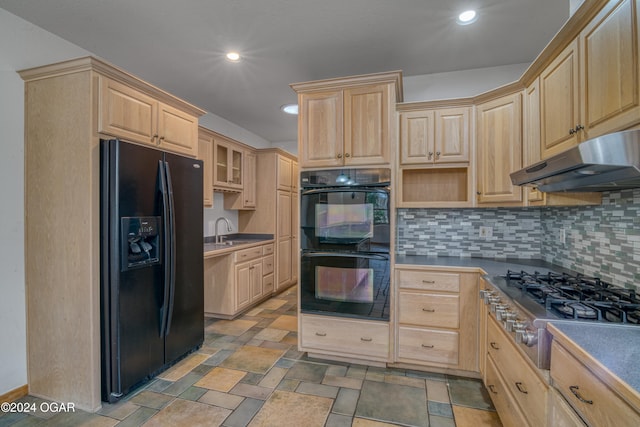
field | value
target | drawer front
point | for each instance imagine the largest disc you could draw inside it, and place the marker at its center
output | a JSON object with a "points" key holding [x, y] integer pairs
{"points": [[507, 409], [578, 384], [426, 345], [436, 310], [520, 378], [267, 265], [345, 336], [267, 249], [267, 284], [247, 254], [427, 280]]}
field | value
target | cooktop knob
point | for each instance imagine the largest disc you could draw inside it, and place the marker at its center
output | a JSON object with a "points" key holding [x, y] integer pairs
{"points": [[526, 337]]}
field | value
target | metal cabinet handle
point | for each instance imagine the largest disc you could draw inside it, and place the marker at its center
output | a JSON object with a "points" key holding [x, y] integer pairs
{"points": [[430, 155], [339, 156], [574, 389], [347, 155], [429, 281], [154, 137], [426, 346], [520, 388], [572, 131], [437, 155], [494, 346], [366, 339], [579, 127], [479, 193], [491, 388], [321, 334], [429, 310], [162, 138]]}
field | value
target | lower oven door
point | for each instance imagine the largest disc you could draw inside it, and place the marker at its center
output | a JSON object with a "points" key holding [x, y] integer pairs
{"points": [[345, 284]]}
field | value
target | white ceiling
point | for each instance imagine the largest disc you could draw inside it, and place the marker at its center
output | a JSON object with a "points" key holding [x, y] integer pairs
{"points": [[180, 45]]}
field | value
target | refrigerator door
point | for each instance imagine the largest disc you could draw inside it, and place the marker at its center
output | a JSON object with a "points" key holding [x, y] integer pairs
{"points": [[132, 292], [185, 326]]}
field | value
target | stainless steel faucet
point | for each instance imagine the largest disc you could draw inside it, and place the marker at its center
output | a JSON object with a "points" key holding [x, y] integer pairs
{"points": [[218, 239]]}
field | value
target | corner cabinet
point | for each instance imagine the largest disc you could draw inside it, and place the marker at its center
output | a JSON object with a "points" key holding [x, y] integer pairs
{"points": [[347, 121], [499, 147], [132, 115], [69, 106]]}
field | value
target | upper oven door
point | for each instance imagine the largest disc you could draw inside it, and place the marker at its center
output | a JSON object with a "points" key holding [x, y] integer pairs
{"points": [[346, 219]]}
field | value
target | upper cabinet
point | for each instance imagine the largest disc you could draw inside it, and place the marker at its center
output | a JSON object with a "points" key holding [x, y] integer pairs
{"points": [[347, 121], [434, 136], [228, 164], [130, 114], [499, 139], [592, 87]]}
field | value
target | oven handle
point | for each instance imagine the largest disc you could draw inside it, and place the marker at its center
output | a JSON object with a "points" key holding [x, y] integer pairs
{"points": [[345, 190], [344, 255]]}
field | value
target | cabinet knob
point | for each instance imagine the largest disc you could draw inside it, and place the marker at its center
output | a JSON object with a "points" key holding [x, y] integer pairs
{"points": [[572, 131], [162, 138], [347, 155], [339, 156], [437, 154], [430, 155], [479, 193], [579, 127], [154, 137]]}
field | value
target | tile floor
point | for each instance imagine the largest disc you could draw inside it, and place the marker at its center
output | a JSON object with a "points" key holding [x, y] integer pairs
{"points": [[249, 372]]}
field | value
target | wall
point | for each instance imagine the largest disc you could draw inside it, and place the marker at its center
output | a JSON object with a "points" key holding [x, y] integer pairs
{"points": [[601, 240], [233, 131], [218, 210], [456, 232]]}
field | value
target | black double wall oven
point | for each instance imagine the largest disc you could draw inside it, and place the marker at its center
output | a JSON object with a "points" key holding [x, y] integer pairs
{"points": [[345, 233]]}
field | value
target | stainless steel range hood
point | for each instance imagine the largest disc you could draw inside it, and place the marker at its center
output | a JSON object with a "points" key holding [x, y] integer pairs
{"points": [[609, 162]]}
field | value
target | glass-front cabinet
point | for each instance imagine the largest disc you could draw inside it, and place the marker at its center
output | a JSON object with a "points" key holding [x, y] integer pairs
{"points": [[228, 165]]}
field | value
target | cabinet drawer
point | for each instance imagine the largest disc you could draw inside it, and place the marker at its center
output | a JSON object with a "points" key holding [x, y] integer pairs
{"points": [[429, 310], [528, 389], [427, 280], [247, 254], [509, 413], [267, 265], [267, 284], [428, 345], [267, 249], [578, 384], [356, 337]]}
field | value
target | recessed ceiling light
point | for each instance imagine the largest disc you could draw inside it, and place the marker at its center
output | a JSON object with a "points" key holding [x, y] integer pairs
{"points": [[467, 17], [233, 56], [290, 108]]}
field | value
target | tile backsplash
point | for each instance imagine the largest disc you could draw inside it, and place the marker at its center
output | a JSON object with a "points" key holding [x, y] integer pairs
{"points": [[516, 233], [600, 240]]}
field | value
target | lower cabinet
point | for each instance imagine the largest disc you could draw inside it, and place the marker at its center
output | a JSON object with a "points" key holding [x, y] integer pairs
{"points": [[335, 337], [590, 397], [510, 414], [236, 281], [560, 412], [524, 388], [437, 318]]}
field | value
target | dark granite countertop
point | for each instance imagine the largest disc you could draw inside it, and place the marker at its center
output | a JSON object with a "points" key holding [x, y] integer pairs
{"points": [[233, 242], [492, 266]]}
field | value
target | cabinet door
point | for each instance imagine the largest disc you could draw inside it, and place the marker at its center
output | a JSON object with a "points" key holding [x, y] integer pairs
{"points": [[417, 137], [242, 285], [560, 102], [610, 69], [321, 129], [205, 153], [236, 161], [531, 134], [126, 113], [249, 184], [499, 149], [295, 226], [177, 131], [295, 178], [283, 178], [283, 272], [367, 117], [228, 164], [452, 135], [284, 215], [255, 280], [560, 413]]}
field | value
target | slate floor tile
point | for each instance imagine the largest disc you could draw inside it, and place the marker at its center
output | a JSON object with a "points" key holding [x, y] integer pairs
{"points": [[304, 371], [408, 406], [469, 392]]}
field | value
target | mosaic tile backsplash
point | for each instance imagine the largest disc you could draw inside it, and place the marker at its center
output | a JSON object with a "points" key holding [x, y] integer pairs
{"points": [[599, 240]]}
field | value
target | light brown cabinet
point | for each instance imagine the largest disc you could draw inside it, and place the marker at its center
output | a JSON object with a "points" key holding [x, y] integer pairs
{"points": [[205, 153], [235, 281], [560, 412], [135, 116], [344, 338], [437, 318], [67, 111], [348, 121], [228, 165], [592, 88], [499, 141], [249, 180]]}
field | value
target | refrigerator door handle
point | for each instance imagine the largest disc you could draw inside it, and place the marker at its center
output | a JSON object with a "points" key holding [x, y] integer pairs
{"points": [[172, 249], [166, 244]]}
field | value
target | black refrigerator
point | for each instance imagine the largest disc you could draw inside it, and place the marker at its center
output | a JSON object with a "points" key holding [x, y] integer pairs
{"points": [[152, 295]]}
